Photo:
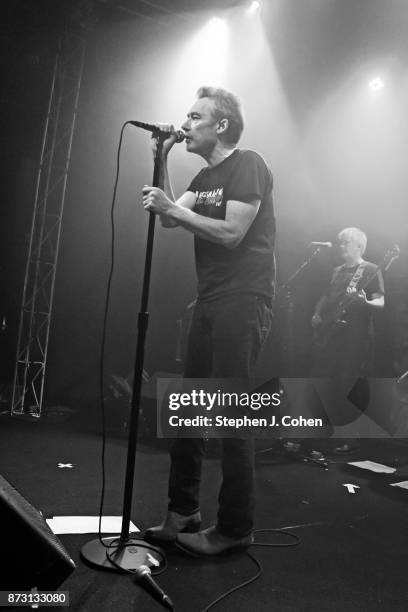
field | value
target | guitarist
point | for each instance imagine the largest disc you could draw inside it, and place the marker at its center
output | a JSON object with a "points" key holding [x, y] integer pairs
{"points": [[348, 351], [344, 359]]}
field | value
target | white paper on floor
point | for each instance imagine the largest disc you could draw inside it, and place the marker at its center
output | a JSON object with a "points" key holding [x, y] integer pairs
{"points": [[351, 488], [401, 485], [86, 524], [373, 467]]}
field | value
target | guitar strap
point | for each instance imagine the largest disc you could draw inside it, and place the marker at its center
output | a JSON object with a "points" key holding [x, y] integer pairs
{"points": [[356, 277]]}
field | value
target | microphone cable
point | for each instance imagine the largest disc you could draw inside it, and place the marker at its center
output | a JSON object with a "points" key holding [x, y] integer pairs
{"points": [[256, 561], [103, 339]]}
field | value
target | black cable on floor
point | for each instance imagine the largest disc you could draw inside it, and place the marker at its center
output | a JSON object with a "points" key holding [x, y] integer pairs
{"points": [[239, 586], [294, 537], [257, 563]]}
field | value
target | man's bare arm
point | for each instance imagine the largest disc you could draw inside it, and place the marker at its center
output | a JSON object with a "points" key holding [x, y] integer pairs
{"points": [[229, 231], [186, 201]]}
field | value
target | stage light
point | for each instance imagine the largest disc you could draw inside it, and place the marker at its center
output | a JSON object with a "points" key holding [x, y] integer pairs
{"points": [[376, 84], [217, 25], [253, 7], [203, 59]]}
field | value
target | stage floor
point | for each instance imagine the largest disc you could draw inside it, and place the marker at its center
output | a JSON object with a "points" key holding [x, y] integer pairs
{"points": [[353, 547]]}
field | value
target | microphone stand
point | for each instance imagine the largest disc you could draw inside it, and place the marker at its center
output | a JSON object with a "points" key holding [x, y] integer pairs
{"points": [[285, 291], [127, 553], [286, 285]]}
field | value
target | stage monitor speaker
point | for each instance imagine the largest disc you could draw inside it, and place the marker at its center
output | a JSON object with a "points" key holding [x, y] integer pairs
{"points": [[31, 555]]}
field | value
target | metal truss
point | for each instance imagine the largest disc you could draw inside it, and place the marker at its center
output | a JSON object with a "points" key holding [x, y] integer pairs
{"points": [[50, 190]]}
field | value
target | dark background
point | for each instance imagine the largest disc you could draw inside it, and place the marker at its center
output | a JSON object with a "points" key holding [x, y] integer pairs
{"points": [[338, 152]]}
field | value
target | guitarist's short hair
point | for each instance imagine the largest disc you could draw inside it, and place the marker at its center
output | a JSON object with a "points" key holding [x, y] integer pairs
{"points": [[355, 234]]}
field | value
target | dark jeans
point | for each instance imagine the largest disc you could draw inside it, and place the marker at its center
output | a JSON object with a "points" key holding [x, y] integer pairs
{"points": [[225, 339]]}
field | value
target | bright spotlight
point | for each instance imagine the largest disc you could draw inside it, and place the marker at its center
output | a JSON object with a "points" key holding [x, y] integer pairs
{"points": [[201, 61], [216, 22], [217, 27], [253, 7], [376, 84]]}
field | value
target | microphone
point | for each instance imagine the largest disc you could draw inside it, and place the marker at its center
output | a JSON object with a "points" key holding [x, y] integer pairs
{"points": [[321, 244], [156, 131], [144, 576]]}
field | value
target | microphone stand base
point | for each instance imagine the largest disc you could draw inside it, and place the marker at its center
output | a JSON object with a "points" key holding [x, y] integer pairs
{"points": [[127, 555]]}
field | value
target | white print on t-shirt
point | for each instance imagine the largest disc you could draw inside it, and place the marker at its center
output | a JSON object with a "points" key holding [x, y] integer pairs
{"points": [[210, 198]]}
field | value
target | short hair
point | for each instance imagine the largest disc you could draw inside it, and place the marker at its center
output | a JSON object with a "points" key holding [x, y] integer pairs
{"points": [[226, 106], [355, 234]]}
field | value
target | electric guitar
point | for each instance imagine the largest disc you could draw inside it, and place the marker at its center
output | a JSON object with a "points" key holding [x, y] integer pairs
{"points": [[333, 318]]}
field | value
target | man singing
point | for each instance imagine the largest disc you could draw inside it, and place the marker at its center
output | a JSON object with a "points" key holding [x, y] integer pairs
{"points": [[228, 207]]}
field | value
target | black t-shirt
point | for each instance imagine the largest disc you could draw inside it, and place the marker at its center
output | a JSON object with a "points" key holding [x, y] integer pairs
{"points": [[250, 267], [342, 276]]}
